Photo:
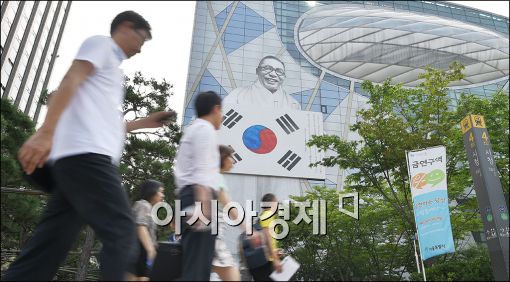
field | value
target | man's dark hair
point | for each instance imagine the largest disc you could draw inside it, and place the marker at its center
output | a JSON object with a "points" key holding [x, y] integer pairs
{"points": [[225, 152], [149, 188], [133, 17], [269, 197], [205, 103]]}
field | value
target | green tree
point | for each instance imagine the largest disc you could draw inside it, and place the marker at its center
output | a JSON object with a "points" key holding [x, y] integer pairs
{"points": [[369, 249], [399, 120], [148, 153], [19, 212], [471, 264]]}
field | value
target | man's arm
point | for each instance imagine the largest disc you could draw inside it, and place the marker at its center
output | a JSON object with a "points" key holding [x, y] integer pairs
{"points": [[154, 120], [36, 149]]}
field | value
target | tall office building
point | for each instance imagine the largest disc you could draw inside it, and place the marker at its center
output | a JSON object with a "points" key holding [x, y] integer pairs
{"points": [[327, 49], [30, 37]]}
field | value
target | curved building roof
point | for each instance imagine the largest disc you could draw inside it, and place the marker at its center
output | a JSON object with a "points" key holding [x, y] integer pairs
{"points": [[374, 43]]}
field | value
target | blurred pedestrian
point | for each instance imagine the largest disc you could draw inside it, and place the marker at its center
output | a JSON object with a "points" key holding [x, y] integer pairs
{"points": [[196, 174], [151, 193], [268, 215], [223, 262], [82, 137]]}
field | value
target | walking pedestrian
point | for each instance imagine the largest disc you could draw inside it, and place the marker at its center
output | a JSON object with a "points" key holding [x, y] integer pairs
{"points": [[83, 137]]}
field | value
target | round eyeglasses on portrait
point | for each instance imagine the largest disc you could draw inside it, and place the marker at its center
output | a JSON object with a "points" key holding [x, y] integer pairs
{"points": [[268, 69]]}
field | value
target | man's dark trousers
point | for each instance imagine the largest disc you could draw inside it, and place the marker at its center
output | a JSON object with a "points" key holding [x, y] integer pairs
{"points": [[88, 191], [197, 246]]}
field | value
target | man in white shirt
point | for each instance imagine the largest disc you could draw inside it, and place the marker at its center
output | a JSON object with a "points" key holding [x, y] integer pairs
{"points": [[197, 177], [82, 138], [267, 90]]}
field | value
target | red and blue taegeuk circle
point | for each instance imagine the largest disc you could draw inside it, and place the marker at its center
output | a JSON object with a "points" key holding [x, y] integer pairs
{"points": [[259, 139]]}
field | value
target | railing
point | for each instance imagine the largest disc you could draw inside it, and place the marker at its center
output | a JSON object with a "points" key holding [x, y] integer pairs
{"points": [[7, 254]]}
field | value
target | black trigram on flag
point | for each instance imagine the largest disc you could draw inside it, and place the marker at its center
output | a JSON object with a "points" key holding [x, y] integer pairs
{"points": [[289, 160], [231, 118], [287, 124], [236, 156]]}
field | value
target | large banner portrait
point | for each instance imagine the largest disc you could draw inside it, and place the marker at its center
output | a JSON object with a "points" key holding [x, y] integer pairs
{"points": [[267, 130]]}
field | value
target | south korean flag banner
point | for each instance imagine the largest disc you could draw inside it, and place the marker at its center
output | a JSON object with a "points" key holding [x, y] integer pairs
{"points": [[269, 141]]}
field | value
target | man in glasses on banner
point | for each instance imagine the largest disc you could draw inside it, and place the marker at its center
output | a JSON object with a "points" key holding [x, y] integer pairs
{"points": [[266, 91]]}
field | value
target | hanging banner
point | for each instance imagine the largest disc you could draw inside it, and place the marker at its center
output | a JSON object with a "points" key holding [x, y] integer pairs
{"points": [[271, 141], [427, 171]]}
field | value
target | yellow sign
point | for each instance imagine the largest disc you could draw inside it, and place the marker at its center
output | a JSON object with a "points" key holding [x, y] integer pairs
{"points": [[465, 124], [485, 138], [478, 121]]}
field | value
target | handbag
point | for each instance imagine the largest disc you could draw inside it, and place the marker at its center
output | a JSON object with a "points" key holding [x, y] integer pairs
{"points": [[254, 253], [168, 262]]}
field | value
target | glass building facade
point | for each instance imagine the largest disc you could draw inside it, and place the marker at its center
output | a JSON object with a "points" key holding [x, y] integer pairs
{"points": [[330, 47], [30, 37]]}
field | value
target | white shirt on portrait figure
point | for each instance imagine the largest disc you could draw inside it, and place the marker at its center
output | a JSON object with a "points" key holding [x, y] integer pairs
{"points": [[257, 95]]}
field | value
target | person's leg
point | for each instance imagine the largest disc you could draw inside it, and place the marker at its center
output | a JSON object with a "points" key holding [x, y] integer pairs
{"points": [[95, 191], [228, 273], [138, 270], [48, 247], [197, 246], [197, 255]]}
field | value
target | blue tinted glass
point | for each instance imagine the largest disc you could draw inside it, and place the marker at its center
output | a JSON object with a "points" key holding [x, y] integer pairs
{"points": [[414, 4], [253, 26], [235, 30], [315, 108], [237, 24], [234, 37], [237, 17], [330, 102], [255, 19], [251, 33]]}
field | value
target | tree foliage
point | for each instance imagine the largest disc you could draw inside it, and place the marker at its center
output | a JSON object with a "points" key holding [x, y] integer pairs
{"points": [[380, 246], [19, 212], [149, 153]]}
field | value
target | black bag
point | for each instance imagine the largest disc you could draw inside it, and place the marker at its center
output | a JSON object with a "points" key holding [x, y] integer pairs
{"points": [[41, 179], [168, 262], [254, 256]]}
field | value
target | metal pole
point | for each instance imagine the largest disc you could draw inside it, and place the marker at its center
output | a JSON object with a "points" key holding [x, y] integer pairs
{"points": [[422, 265], [423, 268], [416, 255]]}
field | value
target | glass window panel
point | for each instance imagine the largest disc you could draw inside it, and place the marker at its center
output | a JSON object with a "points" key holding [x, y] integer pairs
{"points": [[235, 30], [416, 9], [459, 17], [253, 26], [237, 17], [234, 37], [332, 102], [255, 19], [237, 24], [315, 108], [414, 4]]}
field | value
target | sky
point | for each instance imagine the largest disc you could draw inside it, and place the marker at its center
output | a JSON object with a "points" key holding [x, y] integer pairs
{"points": [[167, 54]]}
